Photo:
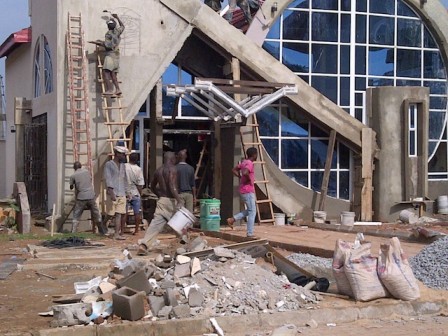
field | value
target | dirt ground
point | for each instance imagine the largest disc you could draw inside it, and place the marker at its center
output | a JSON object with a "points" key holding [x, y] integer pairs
{"points": [[24, 293]]}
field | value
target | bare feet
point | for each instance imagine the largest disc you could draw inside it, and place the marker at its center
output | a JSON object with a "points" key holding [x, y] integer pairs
{"points": [[230, 222]]}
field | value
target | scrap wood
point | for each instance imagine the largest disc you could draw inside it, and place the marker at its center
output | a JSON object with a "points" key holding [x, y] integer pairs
{"points": [[45, 275], [67, 298]]}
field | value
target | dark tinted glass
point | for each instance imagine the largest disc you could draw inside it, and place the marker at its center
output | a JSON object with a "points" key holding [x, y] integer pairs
{"points": [[344, 99], [409, 33], [345, 28], [326, 85], [361, 24], [381, 61], [381, 30], [361, 5], [268, 121], [299, 177], [271, 146], [360, 65], [428, 40], [409, 63], [404, 10], [436, 87], [345, 59], [296, 56], [325, 4], [324, 58], [294, 154], [436, 124], [273, 48], [360, 83], [433, 65], [295, 25], [382, 6], [346, 5], [325, 27]]}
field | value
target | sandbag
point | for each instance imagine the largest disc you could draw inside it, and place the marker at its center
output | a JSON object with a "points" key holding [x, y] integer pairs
{"points": [[395, 272], [340, 251], [361, 271]]}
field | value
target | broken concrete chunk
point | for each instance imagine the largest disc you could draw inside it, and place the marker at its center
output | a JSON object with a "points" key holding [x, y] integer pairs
{"points": [[183, 259], [182, 270], [312, 324], [171, 297], [137, 281], [165, 312], [158, 275], [167, 284], [223, 259], [71, 314], [181, 311], [181, 250], [222, 252], [159, 258], [198, 244], [156, 303], [159, 291], [195, 298], [106, 287], [195, 266], [167, 258]]}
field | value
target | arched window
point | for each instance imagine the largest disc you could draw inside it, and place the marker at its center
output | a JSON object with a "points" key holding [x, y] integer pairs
{"points": [[43, 68], [48, 68], [37, 70]]}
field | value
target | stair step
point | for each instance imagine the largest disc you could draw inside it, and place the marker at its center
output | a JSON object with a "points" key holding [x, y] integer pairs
{"points": [[264, 201], [267, 220], [262, 181], [116, 123], [119, 139], [114, 108]]}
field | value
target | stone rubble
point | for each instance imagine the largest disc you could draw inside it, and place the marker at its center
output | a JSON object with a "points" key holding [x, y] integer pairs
{"points": [[430, 266]]}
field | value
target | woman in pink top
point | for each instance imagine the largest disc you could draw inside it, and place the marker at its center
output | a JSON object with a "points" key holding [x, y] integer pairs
{"points": [[245, 172]]}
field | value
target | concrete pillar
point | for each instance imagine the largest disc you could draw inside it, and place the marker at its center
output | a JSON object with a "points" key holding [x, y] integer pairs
{"points": [[22, 117], [156, 129], [395, 170]]}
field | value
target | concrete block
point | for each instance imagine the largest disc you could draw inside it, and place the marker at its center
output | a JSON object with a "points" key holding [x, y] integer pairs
{"points": [[128, 303], [171, 297], [195, 266], [222, 252], [156, 303], [181, 250], [182, 259], [198, 244], [195, 298], [181, 311], [181, 271], [137, 281]]}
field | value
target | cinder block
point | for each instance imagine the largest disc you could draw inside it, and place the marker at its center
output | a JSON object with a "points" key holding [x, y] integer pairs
{"points": [[137, 281], [128, 303]]}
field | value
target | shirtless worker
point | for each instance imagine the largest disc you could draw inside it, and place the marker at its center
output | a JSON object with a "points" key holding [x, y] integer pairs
{"points": [[164, 185]]}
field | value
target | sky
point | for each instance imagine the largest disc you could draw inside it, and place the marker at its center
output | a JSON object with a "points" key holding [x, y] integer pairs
{"points": [[14, 16]]}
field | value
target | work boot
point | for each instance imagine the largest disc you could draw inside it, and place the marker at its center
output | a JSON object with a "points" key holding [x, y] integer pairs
{"points": [[142, 250]]}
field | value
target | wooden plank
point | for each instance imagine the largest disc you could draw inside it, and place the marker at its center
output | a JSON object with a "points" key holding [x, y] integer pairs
{"points": [[245, 82], [326, 178], [367, 173]]}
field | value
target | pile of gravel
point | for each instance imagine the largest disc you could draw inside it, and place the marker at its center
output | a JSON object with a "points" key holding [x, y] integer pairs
{"points": [[430, 266], [305, 259]]}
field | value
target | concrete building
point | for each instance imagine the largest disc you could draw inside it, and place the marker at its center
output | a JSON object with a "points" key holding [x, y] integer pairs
{"points": [[362, 68]]}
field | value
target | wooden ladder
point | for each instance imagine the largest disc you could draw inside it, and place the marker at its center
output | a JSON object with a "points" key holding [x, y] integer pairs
{"points": [[78, 92], [251, 130], [112, 112], [201, 168]]}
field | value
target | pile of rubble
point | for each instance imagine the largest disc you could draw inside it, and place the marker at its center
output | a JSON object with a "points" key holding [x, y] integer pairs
{"points": [[225, 282], [430, 266]]}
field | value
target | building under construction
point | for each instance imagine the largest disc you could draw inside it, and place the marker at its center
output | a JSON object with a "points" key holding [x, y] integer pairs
{"points": [[357, 119]]}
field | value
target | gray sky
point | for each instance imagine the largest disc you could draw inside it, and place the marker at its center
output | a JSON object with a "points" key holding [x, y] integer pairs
{"points": [[13, 17]]}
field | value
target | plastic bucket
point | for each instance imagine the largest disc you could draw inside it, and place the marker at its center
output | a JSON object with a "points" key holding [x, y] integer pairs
{"points": [[442, 204], [182, 220], [210, 224], [347, 218], [279, 218], [319, 216], [210, 208]]}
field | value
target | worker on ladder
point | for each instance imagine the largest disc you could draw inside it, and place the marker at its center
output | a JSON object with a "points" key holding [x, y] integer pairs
{"points": [[111, 64]]}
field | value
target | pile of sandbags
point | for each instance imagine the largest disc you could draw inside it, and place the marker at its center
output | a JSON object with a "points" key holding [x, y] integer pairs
{"points": [[364, 277]]}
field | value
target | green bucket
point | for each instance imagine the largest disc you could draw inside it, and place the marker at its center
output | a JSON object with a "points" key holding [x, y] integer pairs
{"points": [[210, 208], [209, 224]]}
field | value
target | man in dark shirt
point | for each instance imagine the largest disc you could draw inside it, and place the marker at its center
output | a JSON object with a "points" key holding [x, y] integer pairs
{"points": [[186, 180], [85, 197]]}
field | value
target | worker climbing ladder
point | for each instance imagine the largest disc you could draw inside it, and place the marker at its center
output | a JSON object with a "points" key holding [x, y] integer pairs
{"points": [[78, 92], [250, 137], [112, 112]]}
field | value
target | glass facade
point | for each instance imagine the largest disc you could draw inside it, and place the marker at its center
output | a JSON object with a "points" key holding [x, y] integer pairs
{"points": [[341, 48]]}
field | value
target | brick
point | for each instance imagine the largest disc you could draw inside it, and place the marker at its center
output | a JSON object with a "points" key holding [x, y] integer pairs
{"points": [[128, 303], [137, 281], [156, 303]]}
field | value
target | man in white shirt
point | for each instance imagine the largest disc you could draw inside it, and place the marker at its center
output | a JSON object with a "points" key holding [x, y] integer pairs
{"points": [[134, 185]]}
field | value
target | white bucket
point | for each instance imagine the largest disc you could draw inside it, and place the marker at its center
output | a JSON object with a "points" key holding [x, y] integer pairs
{"points": [[182, 220], [319, 216], [279, 218], [442, 204], [408, 216], [347, 218]]}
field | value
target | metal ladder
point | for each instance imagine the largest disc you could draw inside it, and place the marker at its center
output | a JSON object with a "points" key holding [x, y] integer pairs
{"points": [[78, 92], [112, 112], [251, 131]]}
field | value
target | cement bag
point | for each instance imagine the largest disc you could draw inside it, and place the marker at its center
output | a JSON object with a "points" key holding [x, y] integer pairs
{"points": [[340, 251], [395, 273], [360, 268]]}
